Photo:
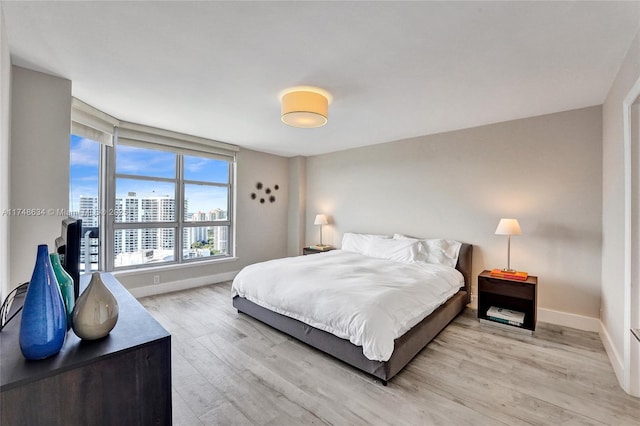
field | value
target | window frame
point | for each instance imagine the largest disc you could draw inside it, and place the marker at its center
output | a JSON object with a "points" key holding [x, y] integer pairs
{"points": [[199, 224], [107, 129], [179, 224]]}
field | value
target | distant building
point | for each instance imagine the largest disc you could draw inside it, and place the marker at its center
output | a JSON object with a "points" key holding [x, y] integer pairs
{"points": [[136, 246]]}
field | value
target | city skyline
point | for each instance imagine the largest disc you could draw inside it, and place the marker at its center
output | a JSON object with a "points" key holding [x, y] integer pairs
{"points": [[156, 244], [84, 174]]}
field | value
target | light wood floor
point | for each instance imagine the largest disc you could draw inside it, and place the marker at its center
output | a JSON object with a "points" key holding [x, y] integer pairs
{"points": [[231, 369]]}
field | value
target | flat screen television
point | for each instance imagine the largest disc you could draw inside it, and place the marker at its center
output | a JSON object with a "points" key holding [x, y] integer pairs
{"points": [[68, 247]]}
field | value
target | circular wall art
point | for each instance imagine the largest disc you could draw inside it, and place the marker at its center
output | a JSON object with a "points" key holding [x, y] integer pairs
{"points": [[267, 190]]}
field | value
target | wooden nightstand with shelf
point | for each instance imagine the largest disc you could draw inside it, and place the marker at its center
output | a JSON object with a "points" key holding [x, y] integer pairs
{"points": [[515, 295], [311, 250]]}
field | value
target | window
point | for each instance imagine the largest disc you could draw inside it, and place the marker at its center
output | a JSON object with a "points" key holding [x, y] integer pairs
{"points": [[84, 179], [153, 197], [91, 134], [169, 207], [207, 195]]}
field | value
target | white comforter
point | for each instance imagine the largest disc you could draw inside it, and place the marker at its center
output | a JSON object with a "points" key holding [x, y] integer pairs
{"points": [[369, 301]]}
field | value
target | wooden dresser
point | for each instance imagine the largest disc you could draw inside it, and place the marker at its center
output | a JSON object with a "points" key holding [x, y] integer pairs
{"points": [[122, 379]]}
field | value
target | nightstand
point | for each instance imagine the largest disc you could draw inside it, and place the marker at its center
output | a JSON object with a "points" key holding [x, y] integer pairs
{"points": [[509, 294], [309, 250]]}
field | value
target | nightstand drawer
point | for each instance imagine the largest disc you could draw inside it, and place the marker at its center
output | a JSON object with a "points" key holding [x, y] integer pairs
{"points": [[510, 288]]}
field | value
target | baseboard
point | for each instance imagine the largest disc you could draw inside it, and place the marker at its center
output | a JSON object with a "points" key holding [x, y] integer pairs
{"points": [[569, 320], [614, 357], [558, 318], [169, 287]]}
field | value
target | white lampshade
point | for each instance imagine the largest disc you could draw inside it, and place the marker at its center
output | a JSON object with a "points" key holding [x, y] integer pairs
{"points": [[320, 220], [508, 227], [305, 106]]}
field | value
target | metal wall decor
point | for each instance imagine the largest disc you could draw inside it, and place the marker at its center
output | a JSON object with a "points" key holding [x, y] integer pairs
{"points": [[268, 193]]}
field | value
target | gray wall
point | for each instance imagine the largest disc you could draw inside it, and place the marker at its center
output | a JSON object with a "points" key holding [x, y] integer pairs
{"points": [[545, 171], [613, 248], [5, 120], [40, 121], [297, 189]]}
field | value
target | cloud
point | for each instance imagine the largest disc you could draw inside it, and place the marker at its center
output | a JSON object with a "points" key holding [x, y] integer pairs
{"points": [[140, 161], [85, 152], [195, 166]]}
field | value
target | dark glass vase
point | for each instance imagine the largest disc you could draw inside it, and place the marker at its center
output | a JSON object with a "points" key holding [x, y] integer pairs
{"points": [[44, 318]]}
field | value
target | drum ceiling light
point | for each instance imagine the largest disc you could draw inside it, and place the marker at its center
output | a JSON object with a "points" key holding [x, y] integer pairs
{"points": [[305, 106]]}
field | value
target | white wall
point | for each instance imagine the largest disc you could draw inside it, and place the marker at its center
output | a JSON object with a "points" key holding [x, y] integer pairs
{"points": [[261, 229], [613, 205], [546, 171], [297, 189], [5, 120], [40, 122]]}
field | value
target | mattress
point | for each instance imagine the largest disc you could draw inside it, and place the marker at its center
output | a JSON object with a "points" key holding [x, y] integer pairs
{"points": [[370, 302]]}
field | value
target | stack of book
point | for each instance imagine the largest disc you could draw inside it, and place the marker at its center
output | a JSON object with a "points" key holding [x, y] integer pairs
{"points": [[321, 247], [515, 275], [506, 316]]}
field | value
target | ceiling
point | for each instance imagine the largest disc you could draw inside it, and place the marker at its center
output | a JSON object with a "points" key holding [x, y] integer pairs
{"points": [[395, 69]]}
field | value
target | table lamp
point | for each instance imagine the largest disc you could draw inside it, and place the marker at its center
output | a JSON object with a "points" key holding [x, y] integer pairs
{"points": [[320, 220], [508, 227]]}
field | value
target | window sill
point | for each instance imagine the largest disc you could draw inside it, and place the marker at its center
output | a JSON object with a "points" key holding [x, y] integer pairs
{"points": [[172, 267]]}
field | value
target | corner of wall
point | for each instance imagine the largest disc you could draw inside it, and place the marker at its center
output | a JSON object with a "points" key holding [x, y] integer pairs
{"points": [[612, 353], [5, 164], [615, 293], [297, 203]]}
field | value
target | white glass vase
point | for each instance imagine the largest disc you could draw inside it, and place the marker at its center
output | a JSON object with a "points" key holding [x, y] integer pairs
{"points": [[96, 310]]}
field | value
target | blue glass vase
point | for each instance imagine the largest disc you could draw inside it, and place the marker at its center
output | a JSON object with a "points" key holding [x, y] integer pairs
{"points": [[44, 318]]}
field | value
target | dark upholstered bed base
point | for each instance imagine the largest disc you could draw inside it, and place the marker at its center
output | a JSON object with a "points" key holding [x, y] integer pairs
{"points": [[406, 347]]}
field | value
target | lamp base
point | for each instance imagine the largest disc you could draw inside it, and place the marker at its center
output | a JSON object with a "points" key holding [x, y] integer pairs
{"points": [[510, 271]]}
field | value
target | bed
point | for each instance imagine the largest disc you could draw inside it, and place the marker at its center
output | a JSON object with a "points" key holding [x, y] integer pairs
{"points": [[380, 362]]}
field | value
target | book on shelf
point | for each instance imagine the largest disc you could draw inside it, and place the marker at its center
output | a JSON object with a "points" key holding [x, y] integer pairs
{"points": [[504, 321], [515, 275], [321, 247], [506, 314]]}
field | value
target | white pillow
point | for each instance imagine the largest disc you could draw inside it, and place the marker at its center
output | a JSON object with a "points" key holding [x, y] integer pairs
{"points": [[422, 254], [435, 250], [359, 243], [443, 252], [399, 250], [403, 237]]}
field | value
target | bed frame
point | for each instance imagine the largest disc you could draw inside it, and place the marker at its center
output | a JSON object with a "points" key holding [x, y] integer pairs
{"points": [[406, 346]]}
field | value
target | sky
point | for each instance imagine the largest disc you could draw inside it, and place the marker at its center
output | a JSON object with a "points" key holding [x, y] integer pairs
{"points": [[84, 169]]}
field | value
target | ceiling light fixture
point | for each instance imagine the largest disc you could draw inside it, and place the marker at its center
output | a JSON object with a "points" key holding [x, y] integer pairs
{"points": [[305, 106]]}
